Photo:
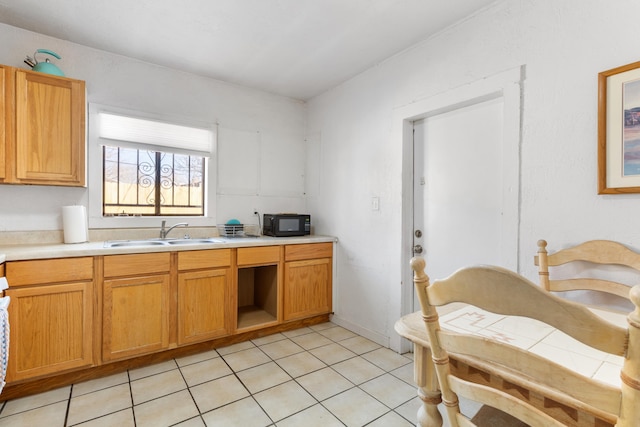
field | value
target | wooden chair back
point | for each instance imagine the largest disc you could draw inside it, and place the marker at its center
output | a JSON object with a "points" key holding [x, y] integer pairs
{"points": [[601, 252], [504, 292]]}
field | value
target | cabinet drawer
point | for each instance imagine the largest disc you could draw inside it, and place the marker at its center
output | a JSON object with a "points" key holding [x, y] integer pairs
{"points": [[308, 251], [191, 260], [125, 265], [24, 273], [258, 255]]}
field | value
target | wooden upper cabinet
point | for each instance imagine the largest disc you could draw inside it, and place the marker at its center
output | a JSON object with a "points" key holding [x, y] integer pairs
{"points": [[50, 129], [6, 115], [44, 129]]}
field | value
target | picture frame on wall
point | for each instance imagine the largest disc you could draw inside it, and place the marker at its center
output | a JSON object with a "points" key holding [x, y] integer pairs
{"points": [[619, 130]]}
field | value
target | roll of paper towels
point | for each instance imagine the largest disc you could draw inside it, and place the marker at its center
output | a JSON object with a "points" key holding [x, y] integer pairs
{"points": [[74, 222]]}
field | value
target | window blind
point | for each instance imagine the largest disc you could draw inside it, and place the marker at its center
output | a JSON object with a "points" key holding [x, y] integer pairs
{"points": [[156, 133]]}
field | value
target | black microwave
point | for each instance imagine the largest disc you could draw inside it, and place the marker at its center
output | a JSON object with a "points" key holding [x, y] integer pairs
{"points": [[285, 224]]}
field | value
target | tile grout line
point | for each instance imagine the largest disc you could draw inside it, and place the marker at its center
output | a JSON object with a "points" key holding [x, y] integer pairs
{"points": [[294, 379], [317, 402], [358, 386], [188, 391], [133, 411], [66, 415], [235, 374]]}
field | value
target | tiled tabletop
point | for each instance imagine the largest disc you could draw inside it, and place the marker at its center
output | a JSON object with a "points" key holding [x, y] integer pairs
{"points": [[541, 339]]}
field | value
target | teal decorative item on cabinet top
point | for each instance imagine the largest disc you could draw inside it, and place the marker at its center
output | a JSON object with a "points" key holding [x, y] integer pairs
{"points": [[46, 66]]}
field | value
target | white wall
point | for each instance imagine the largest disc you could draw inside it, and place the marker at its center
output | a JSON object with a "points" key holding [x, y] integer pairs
{"points": [[278, 124], [563, 45], [350, 147]]}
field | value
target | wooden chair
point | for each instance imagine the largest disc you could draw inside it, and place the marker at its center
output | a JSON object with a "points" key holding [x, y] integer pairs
{"points": [[600, 252], [523, 374]]}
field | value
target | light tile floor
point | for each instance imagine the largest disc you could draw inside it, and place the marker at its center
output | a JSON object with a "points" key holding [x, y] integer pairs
{"points": [[323, 375]]}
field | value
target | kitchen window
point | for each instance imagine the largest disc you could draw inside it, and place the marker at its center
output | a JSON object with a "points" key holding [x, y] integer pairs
{"points": [[150, 167], [146, 182]]}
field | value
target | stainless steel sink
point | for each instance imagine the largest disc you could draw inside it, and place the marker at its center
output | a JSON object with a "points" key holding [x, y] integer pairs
{"points": [[119, 244], [193, 241], [160, 242]]}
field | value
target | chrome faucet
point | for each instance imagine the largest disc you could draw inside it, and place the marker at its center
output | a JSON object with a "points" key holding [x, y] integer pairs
{"points": [[164, 231]]}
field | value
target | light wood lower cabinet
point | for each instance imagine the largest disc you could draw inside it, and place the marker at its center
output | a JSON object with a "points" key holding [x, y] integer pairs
{"points": [[51, 316], [136, 309], [307, 280], [204, 295], [148, 303]]}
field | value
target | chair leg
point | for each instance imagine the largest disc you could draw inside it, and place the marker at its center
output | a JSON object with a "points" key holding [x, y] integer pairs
{"points": [[428, 390]]}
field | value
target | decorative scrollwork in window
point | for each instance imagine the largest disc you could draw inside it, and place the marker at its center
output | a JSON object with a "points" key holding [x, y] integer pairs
{"points": [[143, 182]]}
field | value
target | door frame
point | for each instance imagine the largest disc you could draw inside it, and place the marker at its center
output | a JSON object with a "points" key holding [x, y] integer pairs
{"points": [[506, 85]]}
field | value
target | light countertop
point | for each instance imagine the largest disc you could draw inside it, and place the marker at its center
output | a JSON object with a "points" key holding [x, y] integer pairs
{"points": [[61, 250]]}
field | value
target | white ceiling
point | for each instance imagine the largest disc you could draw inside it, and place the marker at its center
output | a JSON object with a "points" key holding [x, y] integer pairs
{"points": [[296, 48]]}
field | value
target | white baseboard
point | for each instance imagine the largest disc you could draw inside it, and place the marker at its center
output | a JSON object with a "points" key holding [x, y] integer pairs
{"points": [[371, 335]]}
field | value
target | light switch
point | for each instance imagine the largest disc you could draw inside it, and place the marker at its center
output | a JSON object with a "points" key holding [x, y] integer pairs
{"points": [[375, 203]]}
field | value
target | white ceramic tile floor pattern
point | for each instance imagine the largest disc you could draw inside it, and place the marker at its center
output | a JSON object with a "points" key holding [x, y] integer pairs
{"points": [[323, 375]]}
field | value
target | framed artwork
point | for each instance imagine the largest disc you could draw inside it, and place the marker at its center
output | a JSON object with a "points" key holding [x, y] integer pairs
{"points": [[619, 130]]}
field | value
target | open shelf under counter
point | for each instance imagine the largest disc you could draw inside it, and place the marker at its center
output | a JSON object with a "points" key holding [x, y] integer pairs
{"points": [[257, 296], [252, 316]]}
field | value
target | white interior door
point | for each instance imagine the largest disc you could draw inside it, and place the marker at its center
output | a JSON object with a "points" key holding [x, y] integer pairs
{"points": [[458, 187], [466, 153]]}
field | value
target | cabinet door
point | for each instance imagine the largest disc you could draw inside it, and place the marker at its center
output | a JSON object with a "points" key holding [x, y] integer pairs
{"points": [[203, 305], [135, 316], [51, 329], [307, 288], [6, 115], [50, 129]]}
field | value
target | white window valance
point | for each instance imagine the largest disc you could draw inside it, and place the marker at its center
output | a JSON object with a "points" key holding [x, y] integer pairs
{"points": [[155, 133]]}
